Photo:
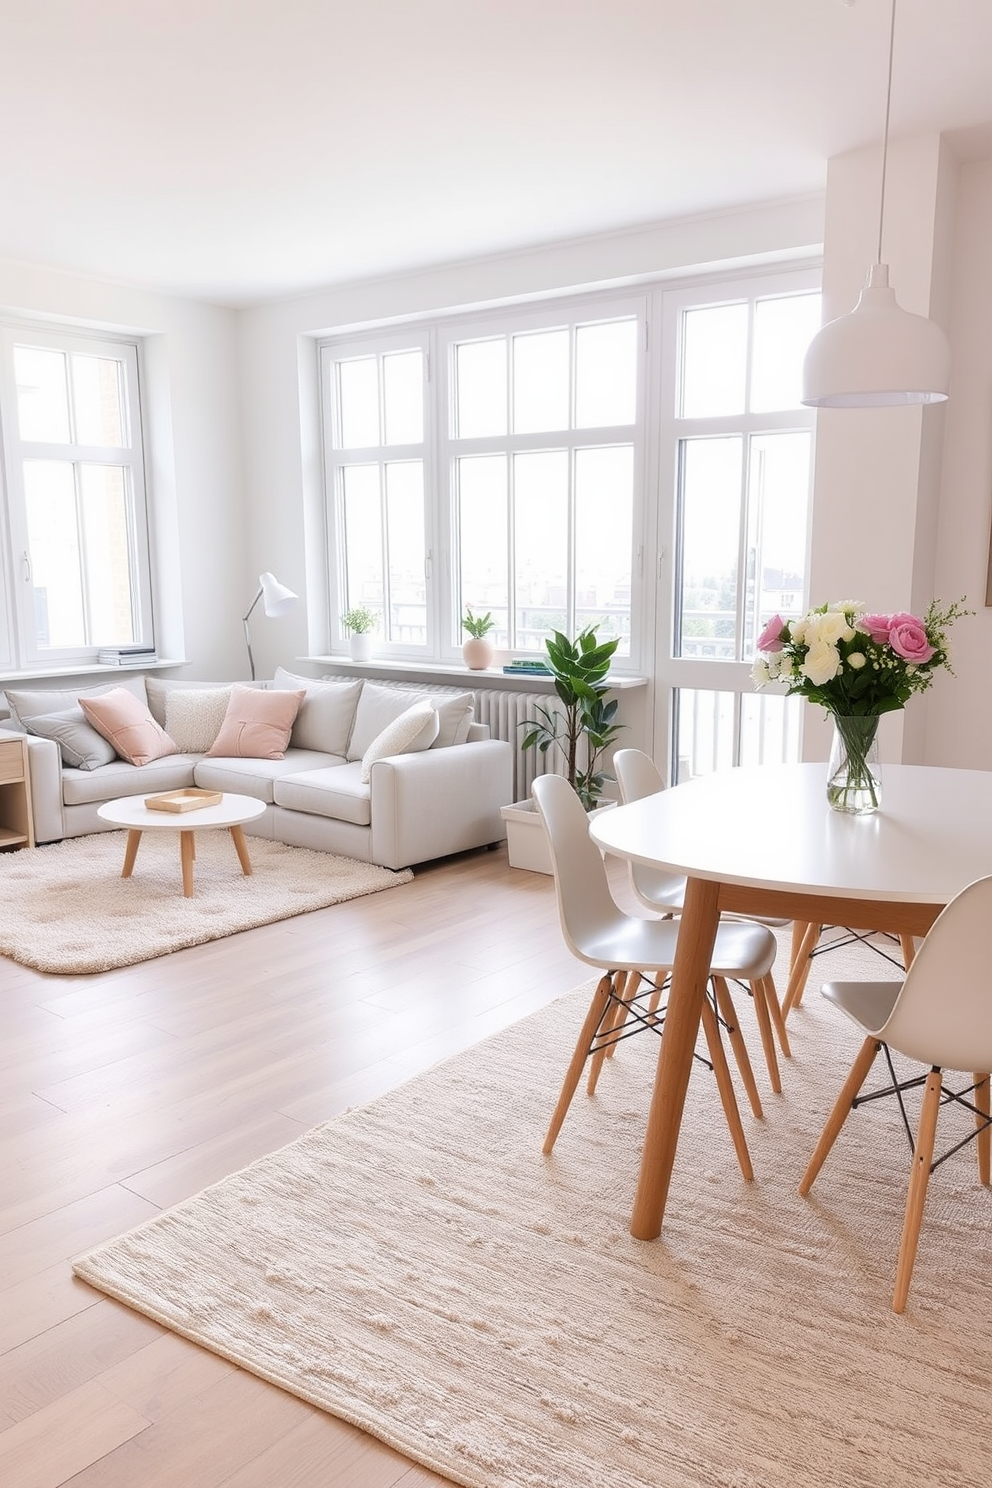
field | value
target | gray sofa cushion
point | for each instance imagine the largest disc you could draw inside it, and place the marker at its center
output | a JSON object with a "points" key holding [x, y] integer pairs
{"points": [[32, 702], [257, 777], [83, 787], [81, 747], [326, 714], [338, 793]]}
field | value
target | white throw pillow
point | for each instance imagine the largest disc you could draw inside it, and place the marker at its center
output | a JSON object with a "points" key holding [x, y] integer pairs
{"points": [[413, 730], [193, 717]]}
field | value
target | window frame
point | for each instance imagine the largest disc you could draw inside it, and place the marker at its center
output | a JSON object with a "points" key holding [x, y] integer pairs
{"points": [[439, 337], [23, 651], [675, 673]]}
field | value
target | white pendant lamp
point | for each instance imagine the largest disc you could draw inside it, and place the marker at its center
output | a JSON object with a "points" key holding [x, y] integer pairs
{"points": [[878, 355]]}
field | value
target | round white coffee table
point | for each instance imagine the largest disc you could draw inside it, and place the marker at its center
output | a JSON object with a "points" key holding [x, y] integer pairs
{"points": [[231, 812]]}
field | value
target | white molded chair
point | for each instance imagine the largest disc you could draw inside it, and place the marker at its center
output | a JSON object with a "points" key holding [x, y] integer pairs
{"points": [[622, 946], [940, 1015], [638, 776]]}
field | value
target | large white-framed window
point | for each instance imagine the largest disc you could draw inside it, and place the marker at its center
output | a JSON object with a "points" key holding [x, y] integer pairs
{"points": [[737, 458], [511, 483], [378, 437], [75, 551]]}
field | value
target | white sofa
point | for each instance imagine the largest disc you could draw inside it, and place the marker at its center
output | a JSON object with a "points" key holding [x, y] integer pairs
{"points": [[415, 807]]}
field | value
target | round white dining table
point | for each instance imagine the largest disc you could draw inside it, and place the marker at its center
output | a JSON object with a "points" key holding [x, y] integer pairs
{"points": [[763, 840]]}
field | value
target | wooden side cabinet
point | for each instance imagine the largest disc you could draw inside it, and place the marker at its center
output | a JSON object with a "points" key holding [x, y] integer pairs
{"points": [[16, 821]]}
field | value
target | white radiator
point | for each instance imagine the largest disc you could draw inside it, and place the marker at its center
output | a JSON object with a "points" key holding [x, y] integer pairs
{"points": [[504, 712]]}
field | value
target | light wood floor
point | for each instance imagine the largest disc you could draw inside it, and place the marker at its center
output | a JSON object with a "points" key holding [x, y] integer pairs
{"points": [[125, 1092]]}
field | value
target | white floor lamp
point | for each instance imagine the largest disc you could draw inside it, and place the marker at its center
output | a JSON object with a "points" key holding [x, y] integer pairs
{"points": [[276, 600]]}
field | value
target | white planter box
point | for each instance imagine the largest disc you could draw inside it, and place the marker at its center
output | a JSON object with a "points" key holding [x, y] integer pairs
{"points": [[526, 840]]}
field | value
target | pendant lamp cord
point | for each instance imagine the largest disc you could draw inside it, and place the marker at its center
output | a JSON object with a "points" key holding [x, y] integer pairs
{"points": [[885, 131]]}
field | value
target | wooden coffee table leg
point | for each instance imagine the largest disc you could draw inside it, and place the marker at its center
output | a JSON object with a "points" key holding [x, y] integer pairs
{"points": [[187, 853], [241, 847], [130, 853]]}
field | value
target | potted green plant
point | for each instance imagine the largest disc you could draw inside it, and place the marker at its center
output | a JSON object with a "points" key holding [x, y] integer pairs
{"points": [[477, 651], [581, 731], [360, 621]]}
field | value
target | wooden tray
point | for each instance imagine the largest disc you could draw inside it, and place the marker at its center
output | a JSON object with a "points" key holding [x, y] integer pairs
{"points": [[190, 799]]}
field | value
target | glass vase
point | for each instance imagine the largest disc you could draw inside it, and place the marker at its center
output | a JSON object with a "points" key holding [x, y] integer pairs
{"points": [[854, 776]]}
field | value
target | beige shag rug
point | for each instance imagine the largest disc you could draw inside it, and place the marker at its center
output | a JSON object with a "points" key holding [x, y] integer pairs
{"points": [[417, 1268], [66, 909]]}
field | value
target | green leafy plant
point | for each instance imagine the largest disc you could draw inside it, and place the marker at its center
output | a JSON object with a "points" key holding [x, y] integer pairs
{"points": [[584, 727], [478, 625], [360, 620]]}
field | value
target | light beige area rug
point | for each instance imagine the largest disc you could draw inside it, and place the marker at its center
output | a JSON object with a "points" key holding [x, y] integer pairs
{"points": [[66, 909], [417, 1268]]}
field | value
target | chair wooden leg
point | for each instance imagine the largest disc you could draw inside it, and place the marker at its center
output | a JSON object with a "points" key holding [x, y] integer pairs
{"points": [[778, 1020], [837, 1117], [908, 950], [765, 1029], [800, 968], [984, 1139], [625, 984], [725, 1086], [920, 1177], [599, 1009], [727, 1011]]}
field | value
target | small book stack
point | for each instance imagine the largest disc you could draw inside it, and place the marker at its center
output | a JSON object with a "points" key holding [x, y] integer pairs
{"points": [[526, 668], [135, 656]]}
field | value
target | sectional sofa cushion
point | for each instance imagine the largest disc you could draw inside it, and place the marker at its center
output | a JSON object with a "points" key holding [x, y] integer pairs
{"points": [[126, 722], [158, 689], [93, 787], [379, 705], [326, 714], [81, 747], [194, 715], [259, 777], [413, 730], [257, 725], [339, 793], [25, 702]]}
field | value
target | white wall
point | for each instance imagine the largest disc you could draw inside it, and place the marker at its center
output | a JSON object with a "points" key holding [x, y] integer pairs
{"points": [[191, 398], [959, 719]]}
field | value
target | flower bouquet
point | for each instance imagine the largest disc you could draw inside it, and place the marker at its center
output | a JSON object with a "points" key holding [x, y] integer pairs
{"points": [[857, 666]]}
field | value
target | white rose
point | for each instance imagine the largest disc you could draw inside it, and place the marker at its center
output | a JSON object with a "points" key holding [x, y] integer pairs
{"points": [[857, 659], [760, 673], [821, 663], [797, 631], [834, 627]]}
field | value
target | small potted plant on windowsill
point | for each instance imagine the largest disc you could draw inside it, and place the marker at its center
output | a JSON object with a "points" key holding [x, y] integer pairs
{"points": [[580, 731], [477, 651], [360, 621]]}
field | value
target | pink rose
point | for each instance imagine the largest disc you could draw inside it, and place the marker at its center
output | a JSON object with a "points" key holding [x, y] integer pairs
{"points": [[770, 638], [876, 626], [908, 639]]}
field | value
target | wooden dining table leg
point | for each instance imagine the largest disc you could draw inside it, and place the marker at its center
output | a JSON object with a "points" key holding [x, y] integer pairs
{"points": [[693, 957]]}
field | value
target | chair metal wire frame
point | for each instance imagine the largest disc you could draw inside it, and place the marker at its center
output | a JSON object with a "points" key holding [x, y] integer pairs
{"points": [[947, 1097]]}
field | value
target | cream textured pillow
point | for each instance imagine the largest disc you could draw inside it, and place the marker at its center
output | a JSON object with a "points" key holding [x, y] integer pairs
{"points": [[193, 717], [257, 725], [413, 730], [127, 724]]}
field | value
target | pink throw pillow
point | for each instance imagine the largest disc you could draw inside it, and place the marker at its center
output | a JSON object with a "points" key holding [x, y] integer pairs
{"points": [[257, 725], [126, 723]]}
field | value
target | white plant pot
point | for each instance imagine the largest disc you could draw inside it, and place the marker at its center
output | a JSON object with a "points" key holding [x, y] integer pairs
{"points": [[526, 840], [477, 653], [360, 646]]}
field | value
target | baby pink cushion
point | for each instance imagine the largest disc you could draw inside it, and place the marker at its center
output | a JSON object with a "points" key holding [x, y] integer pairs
{"points": [[126, 723], [257, 725]]}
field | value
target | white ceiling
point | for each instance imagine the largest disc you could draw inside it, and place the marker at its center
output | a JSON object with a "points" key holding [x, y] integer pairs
{"points": [[237, 150]]}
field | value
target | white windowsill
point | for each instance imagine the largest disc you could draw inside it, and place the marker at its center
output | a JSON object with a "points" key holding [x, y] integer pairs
{"points": [[40, 674], [434, 671]]}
